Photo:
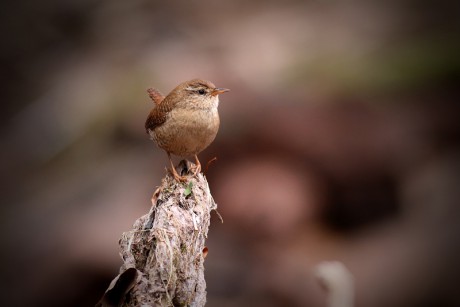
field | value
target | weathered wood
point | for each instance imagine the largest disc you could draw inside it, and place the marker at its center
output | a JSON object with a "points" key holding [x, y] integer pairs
{"points": [[166, 245]]}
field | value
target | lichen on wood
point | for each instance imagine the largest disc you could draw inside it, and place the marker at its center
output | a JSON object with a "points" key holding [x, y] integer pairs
{"points": [[166, 245]]}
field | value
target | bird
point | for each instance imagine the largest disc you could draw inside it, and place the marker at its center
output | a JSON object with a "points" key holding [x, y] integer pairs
{"points": [[185, 121]]}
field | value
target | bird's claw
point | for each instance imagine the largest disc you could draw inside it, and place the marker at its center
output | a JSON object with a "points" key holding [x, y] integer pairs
{"points": [[196, 170], [178, 177]]}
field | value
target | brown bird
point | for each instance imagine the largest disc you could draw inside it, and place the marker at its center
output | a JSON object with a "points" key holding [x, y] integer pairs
{"points": [[186, 121]]}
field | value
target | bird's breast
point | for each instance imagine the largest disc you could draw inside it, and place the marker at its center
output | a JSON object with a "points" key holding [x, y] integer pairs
{"points": [[187, 132]]}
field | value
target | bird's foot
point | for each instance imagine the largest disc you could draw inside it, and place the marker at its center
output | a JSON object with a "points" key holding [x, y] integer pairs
{"points": [[196, 169], [178, 177]]}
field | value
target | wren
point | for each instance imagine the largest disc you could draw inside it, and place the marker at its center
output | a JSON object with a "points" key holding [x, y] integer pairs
{"points": [[186, 121]]}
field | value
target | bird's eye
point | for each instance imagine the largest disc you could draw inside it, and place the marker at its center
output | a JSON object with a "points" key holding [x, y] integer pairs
{"points": [[201, 91]]}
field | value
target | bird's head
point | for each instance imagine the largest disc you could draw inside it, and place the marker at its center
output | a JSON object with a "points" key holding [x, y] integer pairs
{"points": [[199, 94]]}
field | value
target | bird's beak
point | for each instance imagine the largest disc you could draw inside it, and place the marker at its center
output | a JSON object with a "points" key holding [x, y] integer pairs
{"points": [[219, 90]]}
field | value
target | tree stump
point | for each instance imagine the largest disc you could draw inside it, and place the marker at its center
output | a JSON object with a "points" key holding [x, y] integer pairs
{"points": [[164, 252]]}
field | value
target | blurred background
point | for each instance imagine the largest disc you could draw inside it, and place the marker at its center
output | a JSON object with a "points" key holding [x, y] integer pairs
{"points": [[339, 140]]}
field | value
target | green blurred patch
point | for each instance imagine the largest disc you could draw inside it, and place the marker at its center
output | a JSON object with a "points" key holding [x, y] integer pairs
{"points": [[402, 67]]}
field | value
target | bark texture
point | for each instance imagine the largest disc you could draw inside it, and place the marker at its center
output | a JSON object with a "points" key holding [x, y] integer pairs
{"points": [[167, 246]]}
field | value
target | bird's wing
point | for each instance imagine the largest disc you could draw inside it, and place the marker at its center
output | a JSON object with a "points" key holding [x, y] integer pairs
{"points": [[159, 113], [155, 95]]}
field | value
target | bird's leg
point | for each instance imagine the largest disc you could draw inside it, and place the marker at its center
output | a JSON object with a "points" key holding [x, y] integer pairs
{"points": [[174, 172], [197, 168]]}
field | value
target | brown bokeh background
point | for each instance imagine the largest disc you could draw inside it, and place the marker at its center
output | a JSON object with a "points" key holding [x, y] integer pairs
{"points": [[338, 141]]}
